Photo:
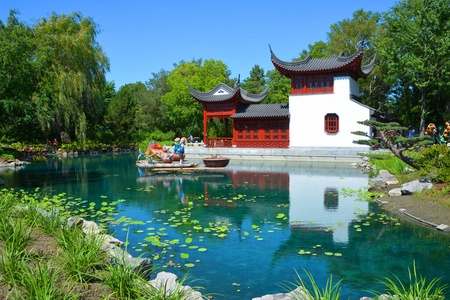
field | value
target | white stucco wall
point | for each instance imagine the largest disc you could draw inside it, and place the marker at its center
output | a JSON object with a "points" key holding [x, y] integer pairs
{"points": [[307, 116]]}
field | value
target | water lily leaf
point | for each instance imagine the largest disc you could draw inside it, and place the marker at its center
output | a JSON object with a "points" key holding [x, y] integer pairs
{"points": [[188, 240], [184, 255], [103, 196], [202, 249], [189, 265], [338, 254], [328, 253]]}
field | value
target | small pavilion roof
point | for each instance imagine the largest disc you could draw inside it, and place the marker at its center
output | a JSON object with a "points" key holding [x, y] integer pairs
{"points": [[262, 111], [223, 93], [327, 64]]}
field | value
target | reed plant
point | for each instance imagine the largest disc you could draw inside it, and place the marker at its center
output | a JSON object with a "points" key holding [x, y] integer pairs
{"points": [[301, 290], [50, 222], [121, 277], [171, 290], [14, 233], [42, 280], [12, 263], [7, 201], [417, 288], [82, 253]]}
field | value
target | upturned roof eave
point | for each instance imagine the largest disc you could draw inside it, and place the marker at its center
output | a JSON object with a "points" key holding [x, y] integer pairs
{"points": [[288, 68]]}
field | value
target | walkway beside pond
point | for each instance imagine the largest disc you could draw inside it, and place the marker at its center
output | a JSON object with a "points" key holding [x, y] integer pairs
{"points": [[338, 154]]}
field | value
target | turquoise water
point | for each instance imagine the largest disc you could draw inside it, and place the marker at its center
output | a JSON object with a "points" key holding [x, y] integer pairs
{"points": [[249, 228]]}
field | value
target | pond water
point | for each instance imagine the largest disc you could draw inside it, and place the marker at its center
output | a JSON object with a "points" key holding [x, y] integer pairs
{"points": [[248, 229]]}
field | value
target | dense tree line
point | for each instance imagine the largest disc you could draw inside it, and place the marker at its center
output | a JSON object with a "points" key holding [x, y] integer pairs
{"points": [[52, 77]]}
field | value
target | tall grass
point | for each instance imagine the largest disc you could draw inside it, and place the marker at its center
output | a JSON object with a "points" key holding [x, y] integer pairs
{"points": [[11, 265], [301, 290], [82, 253], [43, 281], [121, 278], [417, 288]]}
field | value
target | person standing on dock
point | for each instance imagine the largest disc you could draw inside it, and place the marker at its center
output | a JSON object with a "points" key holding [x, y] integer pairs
{"points": [[181, 149]]}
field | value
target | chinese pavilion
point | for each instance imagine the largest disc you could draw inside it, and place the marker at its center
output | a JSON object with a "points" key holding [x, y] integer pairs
{"points": [[324, 104], [255, 125], [324, 107]]}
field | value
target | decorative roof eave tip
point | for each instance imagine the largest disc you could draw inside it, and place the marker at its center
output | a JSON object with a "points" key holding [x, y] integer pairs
{"points": [[367, 69]]}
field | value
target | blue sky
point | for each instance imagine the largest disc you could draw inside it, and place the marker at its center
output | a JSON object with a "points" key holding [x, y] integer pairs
{"points": [[141, 37]]}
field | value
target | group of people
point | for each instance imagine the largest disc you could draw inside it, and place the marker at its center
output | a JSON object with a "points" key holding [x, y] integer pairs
{"points": [[51, 145], [439, 134]]}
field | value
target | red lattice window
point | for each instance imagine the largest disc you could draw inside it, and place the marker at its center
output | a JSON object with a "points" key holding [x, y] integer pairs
{"points": [[331, 123]]}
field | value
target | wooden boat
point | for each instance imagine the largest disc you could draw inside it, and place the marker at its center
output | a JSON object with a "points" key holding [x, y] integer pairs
{"points": [[216, 162], [146, 165]]}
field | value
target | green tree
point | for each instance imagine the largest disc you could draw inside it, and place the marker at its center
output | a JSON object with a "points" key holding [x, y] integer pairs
{"points": [[417, 50], [121, 115], [279, 87], [317, 50], [17, 80], [152, 113], [256, 83], [71, 70], [183, 110]]}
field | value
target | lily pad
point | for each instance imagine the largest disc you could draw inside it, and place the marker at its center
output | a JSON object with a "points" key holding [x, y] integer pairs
{"points": [[189, 265]]}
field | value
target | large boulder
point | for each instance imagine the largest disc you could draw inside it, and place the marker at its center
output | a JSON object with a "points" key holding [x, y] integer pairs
{"points": [[387, 177], [418, 185]]}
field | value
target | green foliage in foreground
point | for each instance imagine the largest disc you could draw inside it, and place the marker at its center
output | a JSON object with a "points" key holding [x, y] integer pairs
{"points": [[435, 163], [418, 288], [312, 291], [391, 163]]}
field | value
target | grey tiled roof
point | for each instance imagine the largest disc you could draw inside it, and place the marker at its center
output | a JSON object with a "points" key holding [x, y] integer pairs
{"points": [[262, 110], [310, 64], [223, 92]]}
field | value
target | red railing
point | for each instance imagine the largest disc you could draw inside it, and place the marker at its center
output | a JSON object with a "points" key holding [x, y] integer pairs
{"points": [[219, 142]]}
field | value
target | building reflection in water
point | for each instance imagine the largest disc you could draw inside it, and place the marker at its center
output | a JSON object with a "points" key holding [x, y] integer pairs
{"points": [[309, 195]]}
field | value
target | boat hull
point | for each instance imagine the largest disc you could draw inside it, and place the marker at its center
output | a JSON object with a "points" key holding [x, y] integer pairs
{"points": [[219, 162], [147, 165]]}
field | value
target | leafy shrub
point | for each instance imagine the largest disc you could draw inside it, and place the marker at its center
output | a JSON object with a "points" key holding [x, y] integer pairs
{"points": [[435, 162]]}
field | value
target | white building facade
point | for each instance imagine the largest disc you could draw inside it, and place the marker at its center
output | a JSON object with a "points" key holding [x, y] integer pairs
{"points": [[324, 104]]}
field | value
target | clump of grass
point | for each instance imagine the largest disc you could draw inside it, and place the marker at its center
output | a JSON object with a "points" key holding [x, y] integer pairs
{"points": [[418, 287], [171, 290], [121, 278], [11, 265], [43, 281], [300, 290], [14, 233], [7, 201], [81, 254]]}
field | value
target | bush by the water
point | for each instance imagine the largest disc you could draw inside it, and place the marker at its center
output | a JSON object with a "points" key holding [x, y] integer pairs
{"points": [[435, 163]]}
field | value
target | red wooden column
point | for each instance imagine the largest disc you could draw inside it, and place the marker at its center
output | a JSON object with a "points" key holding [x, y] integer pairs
{"points": [[205, 126]]}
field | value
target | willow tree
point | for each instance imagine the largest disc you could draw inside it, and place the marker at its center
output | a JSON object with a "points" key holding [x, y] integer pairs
{"points": [[71, 74]]}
